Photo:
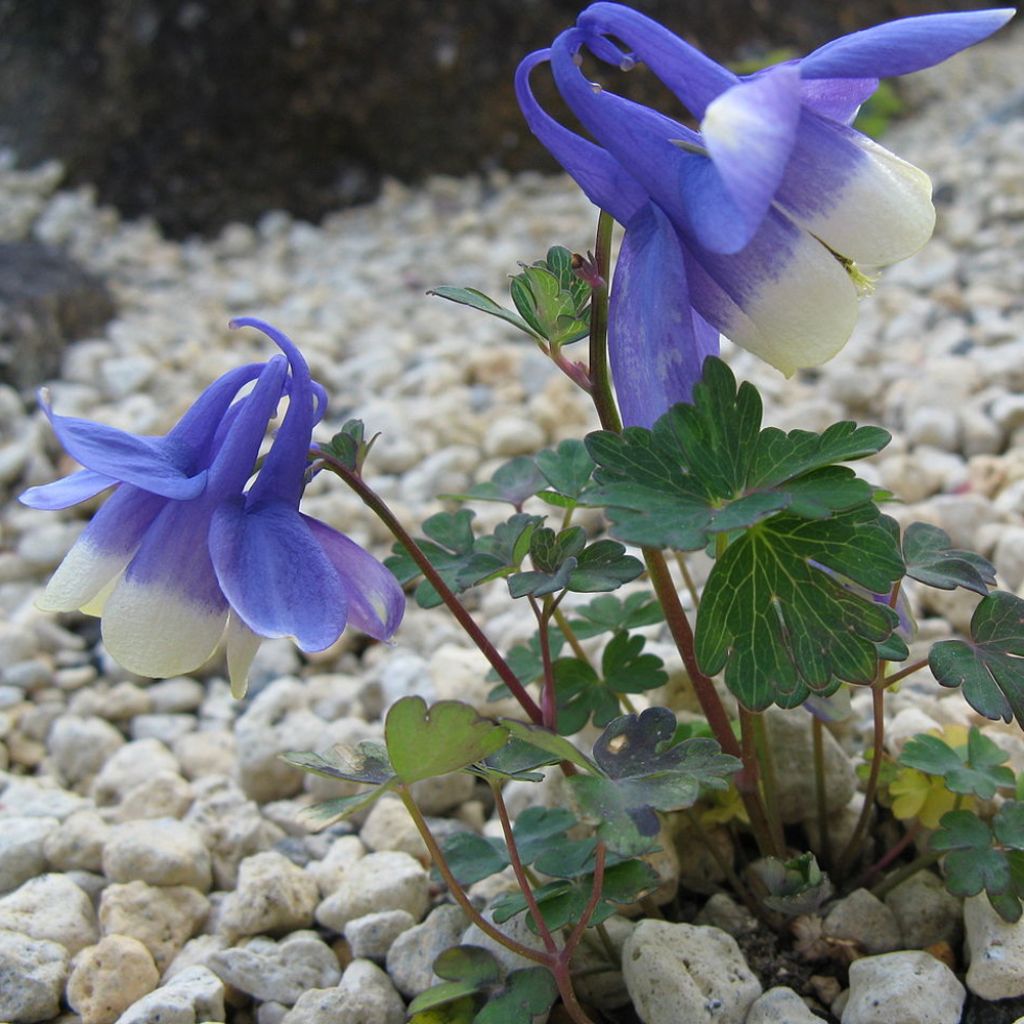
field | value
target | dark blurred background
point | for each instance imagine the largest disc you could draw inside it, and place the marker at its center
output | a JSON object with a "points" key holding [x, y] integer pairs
{"points": [[199, 112]]}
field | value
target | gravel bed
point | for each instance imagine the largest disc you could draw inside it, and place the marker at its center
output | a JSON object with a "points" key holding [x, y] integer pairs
{"points": [[152, 862]]}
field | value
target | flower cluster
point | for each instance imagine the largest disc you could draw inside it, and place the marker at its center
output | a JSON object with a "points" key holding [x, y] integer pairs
{"points": [[184, 554], [757, 225]]}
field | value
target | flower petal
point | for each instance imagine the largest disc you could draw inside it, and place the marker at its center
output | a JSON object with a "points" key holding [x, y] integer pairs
{"points": [[282, 476], [899, 47], [606, 184], [146, 462], [863, 202], [750, 130], [275, 575], [68, 491], [656, 348], [102, 550], [376, 603], [686, 185], [838, 99], [241, 645], [167, 614], [693, 77], [785, 297]]}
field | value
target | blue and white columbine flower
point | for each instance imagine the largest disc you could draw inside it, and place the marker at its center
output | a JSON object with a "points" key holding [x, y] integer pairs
{"points": [[182, 555], [755, 225]]}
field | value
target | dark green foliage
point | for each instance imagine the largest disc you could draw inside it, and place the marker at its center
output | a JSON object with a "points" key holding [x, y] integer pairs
{"points": [[989, 667], [792, 887], [643, 771], [977, 769], [778, 618], [982, 856], [931, 560], [475, 993], [709, 468]]}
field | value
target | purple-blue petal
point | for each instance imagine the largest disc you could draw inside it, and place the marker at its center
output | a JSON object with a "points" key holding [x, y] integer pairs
{"points": [[750, 131], [120, 524], [899, 47], [694, 78], [70, 490], [173, 554], [838, 99], [239, 446], [686, 185], [657, 346], [606, 184], [376, 603], [146, 462], [275, 574], [282, 476]]}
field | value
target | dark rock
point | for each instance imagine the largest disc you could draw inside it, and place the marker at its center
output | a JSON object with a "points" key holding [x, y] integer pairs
{"points": [[207, 111], [46, 300]]}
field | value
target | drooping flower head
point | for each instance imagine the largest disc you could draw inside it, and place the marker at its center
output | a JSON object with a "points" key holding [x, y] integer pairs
{"points": [[756, 225], [183, 554]]}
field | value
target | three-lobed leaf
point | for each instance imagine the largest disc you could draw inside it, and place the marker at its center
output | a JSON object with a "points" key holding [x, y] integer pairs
{"points": [[976, 769], [708, 468], [988, 668], [930, 559]]}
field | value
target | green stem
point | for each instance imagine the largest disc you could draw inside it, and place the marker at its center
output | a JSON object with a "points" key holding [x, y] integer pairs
{"points": [[379, 507], [600, 377], [571, 638], [825, 835], [517, 867], [769, 782], [691, 587], [853, 847], [711, 705], [458, 893]]}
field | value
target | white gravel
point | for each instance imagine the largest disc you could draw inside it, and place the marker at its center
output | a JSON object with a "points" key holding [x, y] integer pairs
{"points": [[89, 752]]}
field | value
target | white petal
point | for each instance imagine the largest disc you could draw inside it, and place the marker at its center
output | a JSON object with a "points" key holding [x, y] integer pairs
{"points": [[84, 574], [153, 631], [242, 644]]}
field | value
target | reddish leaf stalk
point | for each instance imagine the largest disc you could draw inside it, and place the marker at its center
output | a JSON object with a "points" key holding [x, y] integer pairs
{"points": [[379, 507]]}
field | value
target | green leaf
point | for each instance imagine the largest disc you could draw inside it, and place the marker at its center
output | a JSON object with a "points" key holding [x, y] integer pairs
{"points": [[796, 886], [975, 769], [603, 565], [610, 614], [526, 662], [527, 993], [775, 616], [549, 304], [477, 300], [349, 446], [708, 468], [931, 560], [644, 771], [562, 561], [988, 667], [562, 902], [461, 559], [538, 827], [567, 468], [538, 736], [466, 970], [581, 695], [627, 669], [424, 743], [971, 862], [366, 762], [516, 760], [472, 858], [1008, 824], [512, 482], [330, 812], [458, 1011]]}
